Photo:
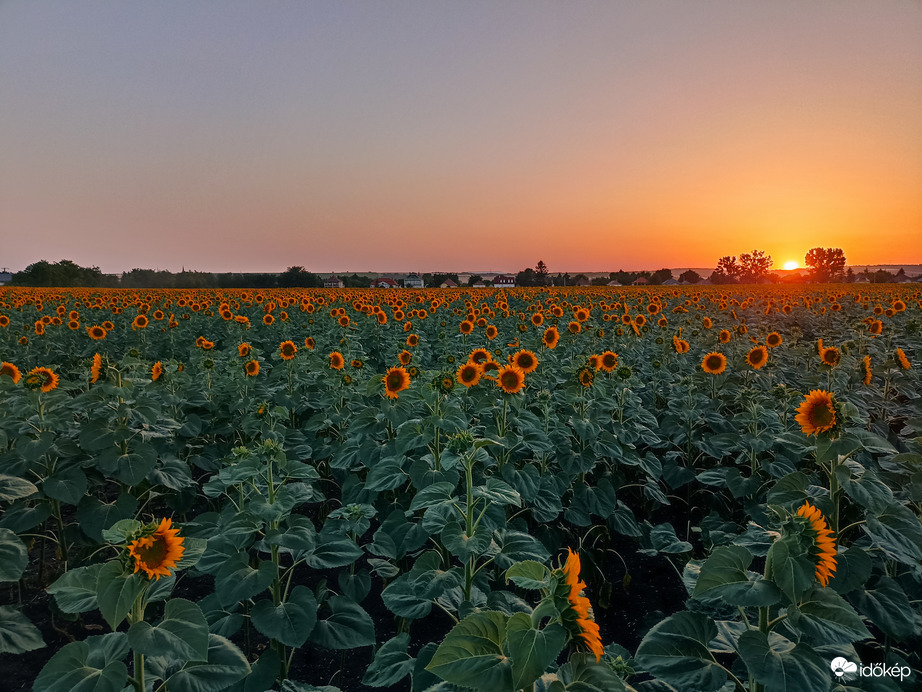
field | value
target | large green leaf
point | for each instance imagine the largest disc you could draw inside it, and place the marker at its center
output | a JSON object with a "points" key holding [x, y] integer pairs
{"points": [[887, 606], [792, 569], [75, 590], [237, 581], [391, 664], [330, 552], [17, 634], [116, 592], [472, 655], [290, 622], [532, 650], [347, 627], [225, 665], [93, 665], [724, 575], [783, 666], [528, 574], [13, 556], [133, 467], [95, 516], [583, 674], [676, 650], [403, 598], [182, 634], [462, 546], [435, 494], [516, 546], [853, 568], [14, 488], [826, 618], [898, 532], [67, 486]]}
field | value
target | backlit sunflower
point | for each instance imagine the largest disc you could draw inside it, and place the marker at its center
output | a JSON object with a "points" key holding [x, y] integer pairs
{"points": [[902, 359], [830, 356], [158, 551], [757, 357], [251, 368], [287, 350], [817, 413], [396, 380], [510, 379], [714, 363], [96, 332], [337, 362], [469, 374], [404, 357], [867, 370], [244, 350], [525, 360], [823, 548], [96, 368], [11, 371], [156, 371], [551, 337], [579, 619], [42, 378]]}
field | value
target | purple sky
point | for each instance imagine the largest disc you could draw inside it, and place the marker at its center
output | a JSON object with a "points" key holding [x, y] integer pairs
{"points": [[251, 136]]}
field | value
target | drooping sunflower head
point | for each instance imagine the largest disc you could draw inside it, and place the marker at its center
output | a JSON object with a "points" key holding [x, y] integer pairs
{"points": [[309, 342], [714, 363], [287, 350], [511, 379], [867, 370], [902, 359], [396, 380], [156, 371], [576, 610], [44, 379], [757, 357], [817, 413], [822, 546], [157, 550], [586, 376]]}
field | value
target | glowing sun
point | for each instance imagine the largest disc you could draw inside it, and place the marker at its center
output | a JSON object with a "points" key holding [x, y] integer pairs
{"points": [[791, 265]]}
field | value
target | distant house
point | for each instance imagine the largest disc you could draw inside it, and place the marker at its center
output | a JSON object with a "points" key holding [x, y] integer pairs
{"points": [[582, 282], [5, 277], [670, 282], [479, 284], [333, 282], [612, 283], [448, 283], [862, 280], [503, 281], [640, 281], [384, 282], [413, 281]]}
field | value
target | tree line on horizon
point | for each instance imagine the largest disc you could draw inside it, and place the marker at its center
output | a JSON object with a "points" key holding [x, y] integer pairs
{"points": [[823, 265]]}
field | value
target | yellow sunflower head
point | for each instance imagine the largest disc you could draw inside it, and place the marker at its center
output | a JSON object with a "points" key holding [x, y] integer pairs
{"points": [[817, 413], [396, 380], [757, 357], [511, 379], [157, 550], [576, 609], [822, 546], [714, 363]]}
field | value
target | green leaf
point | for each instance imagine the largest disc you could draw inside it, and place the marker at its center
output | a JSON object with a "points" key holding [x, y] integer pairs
{"points": [[826, 618], [93, 665], [472, 654], [13, 556], [75, 590], [435, 494], [532, 650], [582, 674], [516, 546], [13, 488], [348, 627], [528, 574], [869, 491], [724, 575], [462, 546], [676, 650], [790, 490], [333, 552], [290, 622], [120, 531], [17, 634], [853, 569], [781, 666], [116, 592], [403, 598], [182, 634], [499, 492], [68, 486], [133, 467], [791, 569], [391, 664], [237, 581], [94, 516], [898, 532], [888, 607], [224, 666], [665, 540]]}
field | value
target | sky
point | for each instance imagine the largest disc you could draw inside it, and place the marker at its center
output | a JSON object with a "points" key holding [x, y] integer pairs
{"points": [[453, 136]]}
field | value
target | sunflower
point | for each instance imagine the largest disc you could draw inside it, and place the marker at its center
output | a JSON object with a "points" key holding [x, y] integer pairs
{"points": [[551, 337], [42, 378], [724, 336], [207, 345], [357, 364], [96, 332], [287, 350], [537, 319], [903, 360], [830, 356], [139, 322], [156, 371], [867, 370], [244, 350], [412, 340], [337, 362], [158, 551], [773, 340], [268, 319], [608, 361], [875, 327], [491, 332], [251, 368], [511, 379], [707, 323], [817, 413], [381, 317], [714, 363], [73, 325], [11, 371], [823, 548], [343, 320], [579, 619], [681, 345], [396, 380], [757, 357], [582, 315], [95, 368], [480, 356], [309, 342], [108, 326], [525, 360], [404, 357], [39, 328], [595, 361], [466, 327], [469, 374], [4, 321]]}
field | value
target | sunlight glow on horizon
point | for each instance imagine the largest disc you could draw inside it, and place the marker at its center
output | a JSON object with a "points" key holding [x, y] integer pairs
{"points": [[791, 265]]}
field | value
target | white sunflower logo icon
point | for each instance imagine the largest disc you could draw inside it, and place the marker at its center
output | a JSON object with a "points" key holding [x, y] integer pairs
{"points": [[843, 667]]}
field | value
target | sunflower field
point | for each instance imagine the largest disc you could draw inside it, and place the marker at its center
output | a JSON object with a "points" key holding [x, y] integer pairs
{"points": [[583, 489]]}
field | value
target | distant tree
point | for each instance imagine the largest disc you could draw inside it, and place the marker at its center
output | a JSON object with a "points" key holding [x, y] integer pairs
{"points": [[598, 281], [541, 274], [849, 276], [298, 277], [526, 277], [882, 276], [727, 272], [436, 280], [754, 266], [63, 273], [474, 278], [826, 264], [659, 276], [690, 276]]}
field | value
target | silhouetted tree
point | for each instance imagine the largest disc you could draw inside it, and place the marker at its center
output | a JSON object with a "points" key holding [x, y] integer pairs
{"points": [[541, 274], [659, 276], [690, 276], [754, 266], [826, 264]]}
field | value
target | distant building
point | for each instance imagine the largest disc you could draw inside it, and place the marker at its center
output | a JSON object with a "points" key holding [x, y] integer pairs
{"points": [[582, 282], [333, 282], [670, 282], [448, 283], [5, 277], [503, 281], [384, 282], [612, 283], [413, 281], [640, 281], [479, 284]]}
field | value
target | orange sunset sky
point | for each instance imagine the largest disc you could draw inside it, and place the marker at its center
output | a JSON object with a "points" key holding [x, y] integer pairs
{"points": [[453, 136]]}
